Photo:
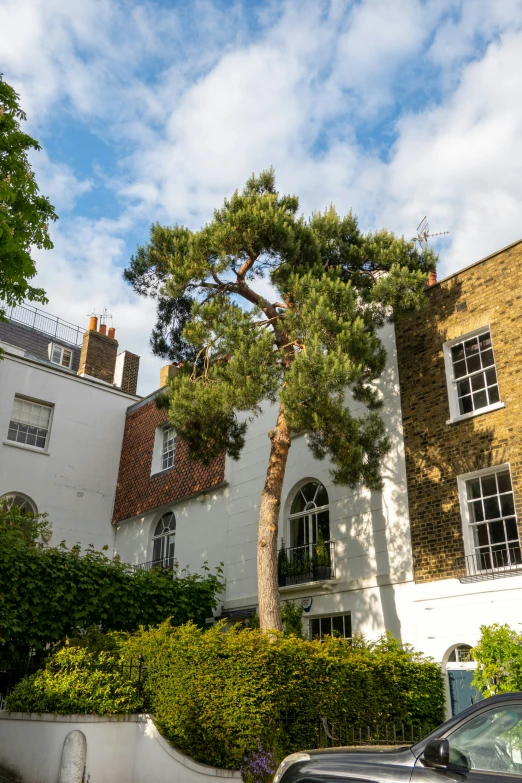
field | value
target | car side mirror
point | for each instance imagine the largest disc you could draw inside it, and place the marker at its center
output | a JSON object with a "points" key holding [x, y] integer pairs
{"points": [[436, 753]]}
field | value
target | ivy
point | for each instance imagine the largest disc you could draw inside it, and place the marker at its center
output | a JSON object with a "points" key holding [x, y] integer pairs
{"points": [[50, 593]]}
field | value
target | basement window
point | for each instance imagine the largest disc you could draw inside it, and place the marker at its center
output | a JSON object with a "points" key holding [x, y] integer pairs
{"points": [[339, 625], [471, 375], [60, 355]]}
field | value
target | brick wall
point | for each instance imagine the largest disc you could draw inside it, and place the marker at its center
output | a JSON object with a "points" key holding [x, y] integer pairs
{"points": [[128, 371], [98, 356], [436, 452], [137, 491]]}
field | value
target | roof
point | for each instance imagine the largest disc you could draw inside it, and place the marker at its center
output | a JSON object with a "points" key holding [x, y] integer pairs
{"points": [[35, 344], [475, 263]]}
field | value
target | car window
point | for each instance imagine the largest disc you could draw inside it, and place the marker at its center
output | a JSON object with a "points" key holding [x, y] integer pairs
{"points": [[492, 741]]}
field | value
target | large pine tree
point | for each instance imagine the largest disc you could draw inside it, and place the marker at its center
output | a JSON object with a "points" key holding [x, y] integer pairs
{"points": [[303, 346]]}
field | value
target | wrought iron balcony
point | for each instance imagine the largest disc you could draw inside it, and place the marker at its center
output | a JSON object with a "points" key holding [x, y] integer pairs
{"points": [[309, 563], [490, 565], [163, 564]]}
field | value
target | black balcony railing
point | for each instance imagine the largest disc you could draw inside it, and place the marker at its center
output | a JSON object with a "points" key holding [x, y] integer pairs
{"points": [[309, 563], [163, 564], [490, 565]]}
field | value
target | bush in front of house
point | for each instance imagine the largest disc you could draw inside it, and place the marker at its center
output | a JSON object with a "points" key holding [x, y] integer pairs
{"points": [[220, 696], [498, 654], [51, 592]]}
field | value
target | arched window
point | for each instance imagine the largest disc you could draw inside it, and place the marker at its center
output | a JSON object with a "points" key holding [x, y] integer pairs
{"points": [[460, 654], [25, 504], [163, 541], [309, 515]]}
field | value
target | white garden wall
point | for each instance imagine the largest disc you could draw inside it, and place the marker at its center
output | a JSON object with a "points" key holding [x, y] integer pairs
{"points": [[128, 749]]}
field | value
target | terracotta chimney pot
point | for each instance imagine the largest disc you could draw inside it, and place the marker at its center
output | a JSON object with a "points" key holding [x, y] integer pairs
{"points": [[432, 278], [93, 323], [112, 332], [103, 328]]}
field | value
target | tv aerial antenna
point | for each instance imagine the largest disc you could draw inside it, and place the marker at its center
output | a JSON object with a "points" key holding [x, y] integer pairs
{"points": [[423, 233]]}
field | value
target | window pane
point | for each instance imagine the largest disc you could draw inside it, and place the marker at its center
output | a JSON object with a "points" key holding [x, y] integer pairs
{"points": [[338, 625], [491, 508], [485, 341], [473, 363], [507, 505], [487, 358], [480, 399], [66, 358], [480, 535], [504, 481], [56, 355], [478, 741], [298, 503], [464, 387], [473, 488], [512, 529], [465, 405], [321, 498], [491, 377], [477, 511], [298, 531], [478, 381], [496, 532], [457, 352], [315, 629], [309, 490], [471, 347], [493, 395], [323, 525], [460, 369], [489, 485]]}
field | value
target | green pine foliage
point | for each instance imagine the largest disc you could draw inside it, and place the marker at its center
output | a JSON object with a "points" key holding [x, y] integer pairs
{"points": [[49, 593], [216, 694], [333, 286], [24, 213]]}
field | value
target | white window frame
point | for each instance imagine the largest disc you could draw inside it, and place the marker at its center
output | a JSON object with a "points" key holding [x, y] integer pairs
{"points": [[330, 617], [467, 526], [38, 449], [157, 453], [451, 381], [61, 349]]}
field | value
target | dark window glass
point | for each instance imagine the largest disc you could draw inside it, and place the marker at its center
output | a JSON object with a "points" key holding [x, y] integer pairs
{"points": [[466, 405], [507, 504], [491, 508], [491, 377], [457, 352], [478, 381], [493, 395], [489, 485], [478, 513], [473, 487], [487, 359], [512, 529], [338, 625], [464, 387], [504, 481], [480, 400]]}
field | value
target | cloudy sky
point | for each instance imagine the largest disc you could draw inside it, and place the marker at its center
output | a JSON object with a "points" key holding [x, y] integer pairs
{"points": [[154, 111]]}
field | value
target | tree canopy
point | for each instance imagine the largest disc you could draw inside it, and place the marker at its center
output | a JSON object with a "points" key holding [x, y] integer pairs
{"points": [[24, 213], [263, 304]]}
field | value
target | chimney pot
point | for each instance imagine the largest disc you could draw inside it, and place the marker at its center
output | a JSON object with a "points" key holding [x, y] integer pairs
{"points": [[103, 328], [167, 372], [432, 278], [93, 323], [112, 332]]}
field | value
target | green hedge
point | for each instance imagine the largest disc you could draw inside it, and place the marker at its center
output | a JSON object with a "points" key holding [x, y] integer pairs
{"points": [[49, 593], [215, 694]]}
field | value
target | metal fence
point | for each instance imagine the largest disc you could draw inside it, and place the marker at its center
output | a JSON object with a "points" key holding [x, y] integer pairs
{"points": [[163, 564], [37, 319], [337, 734], [485, 565], [308, 563]]}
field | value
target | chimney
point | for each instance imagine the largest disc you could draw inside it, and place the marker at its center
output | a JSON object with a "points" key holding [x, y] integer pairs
{"points": [[98, 356], [126, 372], [103, 328], [167, 372], [432, 278]]}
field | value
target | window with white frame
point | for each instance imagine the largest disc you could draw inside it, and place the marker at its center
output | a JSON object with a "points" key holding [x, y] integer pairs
{"points": [[168, 448], [491, 539], [30, 423], [472, 375], [163, 541], [16, 499], [309, 518], [337, 625], [60, 355]]}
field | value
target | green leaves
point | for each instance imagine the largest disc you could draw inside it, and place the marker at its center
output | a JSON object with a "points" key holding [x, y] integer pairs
{"points": [[24, 213], [49, 593], [499, 658]]}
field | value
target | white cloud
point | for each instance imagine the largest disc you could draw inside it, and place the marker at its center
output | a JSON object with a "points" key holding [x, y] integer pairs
{"points": [[195, 100]]}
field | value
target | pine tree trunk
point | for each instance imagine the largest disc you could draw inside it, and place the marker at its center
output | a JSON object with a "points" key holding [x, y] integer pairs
{"points": [[267, 578]]}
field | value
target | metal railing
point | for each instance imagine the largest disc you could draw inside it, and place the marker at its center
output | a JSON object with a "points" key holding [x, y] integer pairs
{"points": [[490, 565], [164, 563], [309, 563], [43, 322], [339, 734]]}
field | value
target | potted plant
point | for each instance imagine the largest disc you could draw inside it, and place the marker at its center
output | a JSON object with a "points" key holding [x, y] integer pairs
{"points": [[282, 565], [321, 560]]}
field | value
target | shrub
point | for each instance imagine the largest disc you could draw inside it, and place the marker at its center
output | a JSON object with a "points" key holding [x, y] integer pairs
{"points": [[499, 658], [76, 680], [49, 593]]}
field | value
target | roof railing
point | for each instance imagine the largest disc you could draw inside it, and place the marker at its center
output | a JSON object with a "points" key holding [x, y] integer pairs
{"points": [[40, 321]]}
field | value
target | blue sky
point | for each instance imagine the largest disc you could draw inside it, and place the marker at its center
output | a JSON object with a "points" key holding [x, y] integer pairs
{"points": [[156, 111]]}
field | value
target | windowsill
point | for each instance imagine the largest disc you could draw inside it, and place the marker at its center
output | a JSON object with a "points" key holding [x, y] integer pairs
{"points": [[489, 409], [322, 584], [26, 447], [161, 472]]}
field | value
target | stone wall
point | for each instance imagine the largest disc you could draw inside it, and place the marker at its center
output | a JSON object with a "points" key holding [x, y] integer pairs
{"points": [[487, 293]]}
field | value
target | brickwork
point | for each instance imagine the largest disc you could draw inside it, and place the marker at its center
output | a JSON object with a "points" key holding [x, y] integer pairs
{"points": [[488, 293], [129, 372], [98, 356], [137, 491]]}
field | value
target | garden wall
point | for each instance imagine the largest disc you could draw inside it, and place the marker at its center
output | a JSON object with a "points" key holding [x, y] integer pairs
{"points": [[128, 749]]}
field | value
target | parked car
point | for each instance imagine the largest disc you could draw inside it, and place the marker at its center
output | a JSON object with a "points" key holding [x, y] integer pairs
{"points": [[482, 744]]}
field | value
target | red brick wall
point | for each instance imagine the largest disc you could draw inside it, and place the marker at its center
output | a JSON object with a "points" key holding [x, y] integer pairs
{"points": [[137, 491]]}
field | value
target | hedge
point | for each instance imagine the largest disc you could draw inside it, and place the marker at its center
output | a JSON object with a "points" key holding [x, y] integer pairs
{"points": [[216, 694], [49, 593]]}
